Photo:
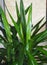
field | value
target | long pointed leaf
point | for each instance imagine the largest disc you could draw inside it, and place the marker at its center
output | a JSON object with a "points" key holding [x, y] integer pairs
{"points": [[32, 59], [35, 32], [37, 27], [42, 50], [13, 30], [27, 9], [38, 35], [15, 24], [3, 38], [38, 23], [29, 23], [23, 20], [6, 25], [3, 31], [17, 10], [40, 38]]}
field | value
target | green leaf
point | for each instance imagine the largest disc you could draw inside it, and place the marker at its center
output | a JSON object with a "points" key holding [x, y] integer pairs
{"points": [[15, 24], [39, 38], [38, 23], [38, 35], [19, 19], [2, 53], [35, 32], [42, 51], [23, 20], [45, 46], [42, 58], [27, 9], [32, 59], [29, 23], [9, 47], [37, 27], [13, 30], [17, 10], [3, 41], [3, 31], [35, 52], [18, 15], [6, 25], [42, 36], [21, 55], [3, 38]]}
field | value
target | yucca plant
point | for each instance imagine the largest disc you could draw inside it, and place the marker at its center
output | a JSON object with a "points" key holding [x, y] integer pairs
{"points": [[22, 49]]}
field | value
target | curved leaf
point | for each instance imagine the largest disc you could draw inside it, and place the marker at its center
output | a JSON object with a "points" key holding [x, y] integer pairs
{"points": [[42, 50], [32, 59], [39, 38], [38, 23], [6, 25], [3, 31], [3, 38], [42, 36], [27, 9], [15, 25], [35, 32]]}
